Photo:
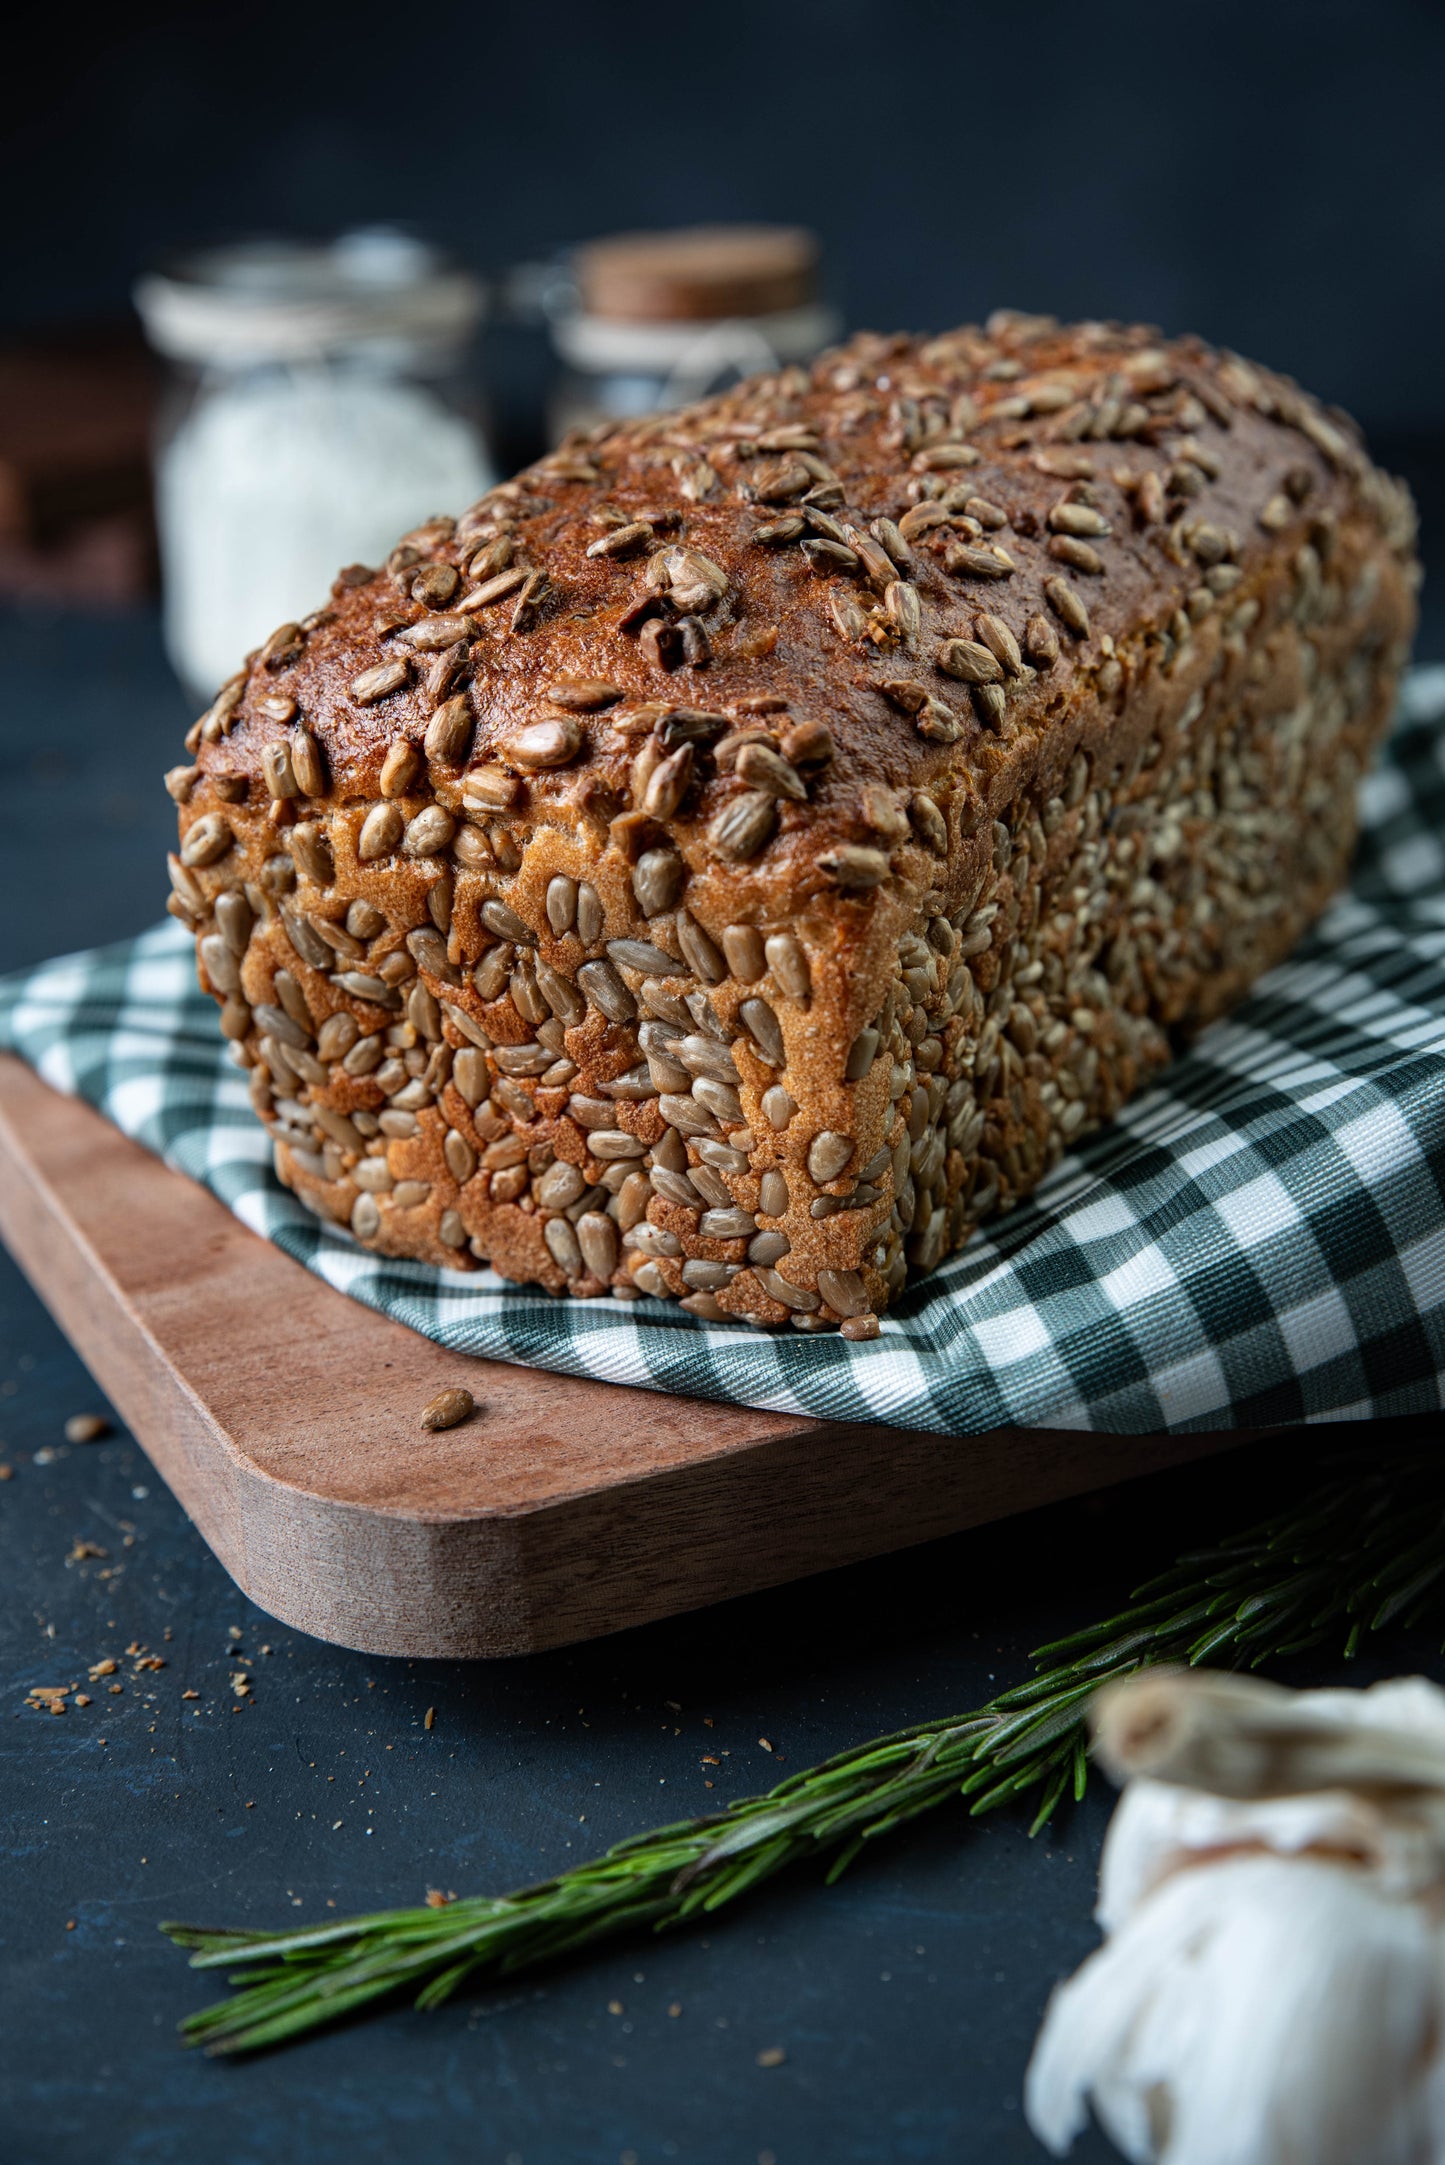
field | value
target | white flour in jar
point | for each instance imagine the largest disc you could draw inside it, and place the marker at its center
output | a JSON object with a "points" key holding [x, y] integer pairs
{"points": [[275, 479]]}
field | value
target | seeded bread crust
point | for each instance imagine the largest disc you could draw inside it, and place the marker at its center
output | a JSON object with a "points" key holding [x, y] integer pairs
{"points": [[743, 852]]}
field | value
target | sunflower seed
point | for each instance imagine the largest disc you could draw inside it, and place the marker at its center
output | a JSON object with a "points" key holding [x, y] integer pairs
{"points": [[597, 1239], [400, 768], [496, 588], [965, 561], [1041, 642], [922, 519], [611, 1145], [778, 1107], [847, 616], [1079, 519], [704, 1056], [429, 833], [1000, 641], [561, 904], [365, 1217], [589, 913], [687, 1114], [732, 1224], [434, 633], [743, 947], [1065, 550], [788, 961], [795, 1297], [763, 768], [221, 965], [544, 744], [1067, 606], [381, 681], [699, 950], [606, 991], [696, 646], [928, 822], [905, 609], [180, 781], [779, 532], [490, 789], [968, 661], [582, 695], [449, 732], [668, 784], [825, 555], [235, 918], [206, 839], [565, 1001], [744, 826], [843, 1291], [381, 830], [763, 1027], [778, 483], [363, 986], [657, 880], [560, 1185], [991, 704], [828, 1153], [861, 1054], [642, 955], [719, 1098], [623, 540], [293, 999], [854, 867]]}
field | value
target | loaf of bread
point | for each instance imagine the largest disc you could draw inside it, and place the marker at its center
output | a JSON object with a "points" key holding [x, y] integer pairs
{"points": [[742, 853]]}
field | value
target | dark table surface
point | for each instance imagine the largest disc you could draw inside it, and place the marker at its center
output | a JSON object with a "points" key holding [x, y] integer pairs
{"points": [[905, 1999]]}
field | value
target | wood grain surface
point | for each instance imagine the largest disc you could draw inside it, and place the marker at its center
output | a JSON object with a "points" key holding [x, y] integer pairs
{"points": [[286, 1418]]}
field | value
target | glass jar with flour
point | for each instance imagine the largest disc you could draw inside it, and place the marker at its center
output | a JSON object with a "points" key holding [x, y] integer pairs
{"points": [[320, 406]]}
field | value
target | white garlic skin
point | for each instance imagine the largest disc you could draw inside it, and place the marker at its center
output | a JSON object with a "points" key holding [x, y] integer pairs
{"points": [[1272, 1987]]}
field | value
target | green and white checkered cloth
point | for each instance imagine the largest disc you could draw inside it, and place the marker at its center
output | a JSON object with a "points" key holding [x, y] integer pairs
{"points": [[1258, 1239]]}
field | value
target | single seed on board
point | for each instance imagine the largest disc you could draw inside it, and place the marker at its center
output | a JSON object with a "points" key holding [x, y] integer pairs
{"points": [[449, 1409]]}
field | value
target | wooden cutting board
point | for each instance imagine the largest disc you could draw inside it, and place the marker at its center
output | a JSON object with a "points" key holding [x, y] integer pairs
{"points": [[285, 1417]]}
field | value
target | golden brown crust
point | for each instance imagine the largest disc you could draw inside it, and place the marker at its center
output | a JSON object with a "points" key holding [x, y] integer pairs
{"points": [[909, 695]]}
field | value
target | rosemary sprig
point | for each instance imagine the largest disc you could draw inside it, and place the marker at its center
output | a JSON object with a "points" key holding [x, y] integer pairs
{"points": [[1364, 1550]]}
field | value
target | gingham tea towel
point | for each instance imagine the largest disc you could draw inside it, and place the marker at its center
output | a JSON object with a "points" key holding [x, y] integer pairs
{"points": [[1258, 1239]]}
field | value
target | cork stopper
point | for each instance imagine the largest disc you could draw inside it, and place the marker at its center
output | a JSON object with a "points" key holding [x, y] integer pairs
{"points": [[698, 274]]}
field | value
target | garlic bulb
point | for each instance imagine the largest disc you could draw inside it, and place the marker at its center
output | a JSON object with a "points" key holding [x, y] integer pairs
{"points": [[1272, 1984]]}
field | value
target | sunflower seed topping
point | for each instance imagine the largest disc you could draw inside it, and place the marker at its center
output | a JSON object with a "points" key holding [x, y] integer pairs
{"points": [[381, 681], [544, 744], [1067, 606], [745, 825]]}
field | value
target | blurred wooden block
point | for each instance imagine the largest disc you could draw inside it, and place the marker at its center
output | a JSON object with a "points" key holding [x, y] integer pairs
{"points": [[286, 1418], [77, 411]]}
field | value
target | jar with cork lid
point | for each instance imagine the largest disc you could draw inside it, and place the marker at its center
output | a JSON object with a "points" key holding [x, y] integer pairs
{"points": [[654, 320]]}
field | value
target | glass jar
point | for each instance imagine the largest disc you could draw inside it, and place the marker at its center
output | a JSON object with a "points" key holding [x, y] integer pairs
{"points": [[321, 404], [646, 321]]}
